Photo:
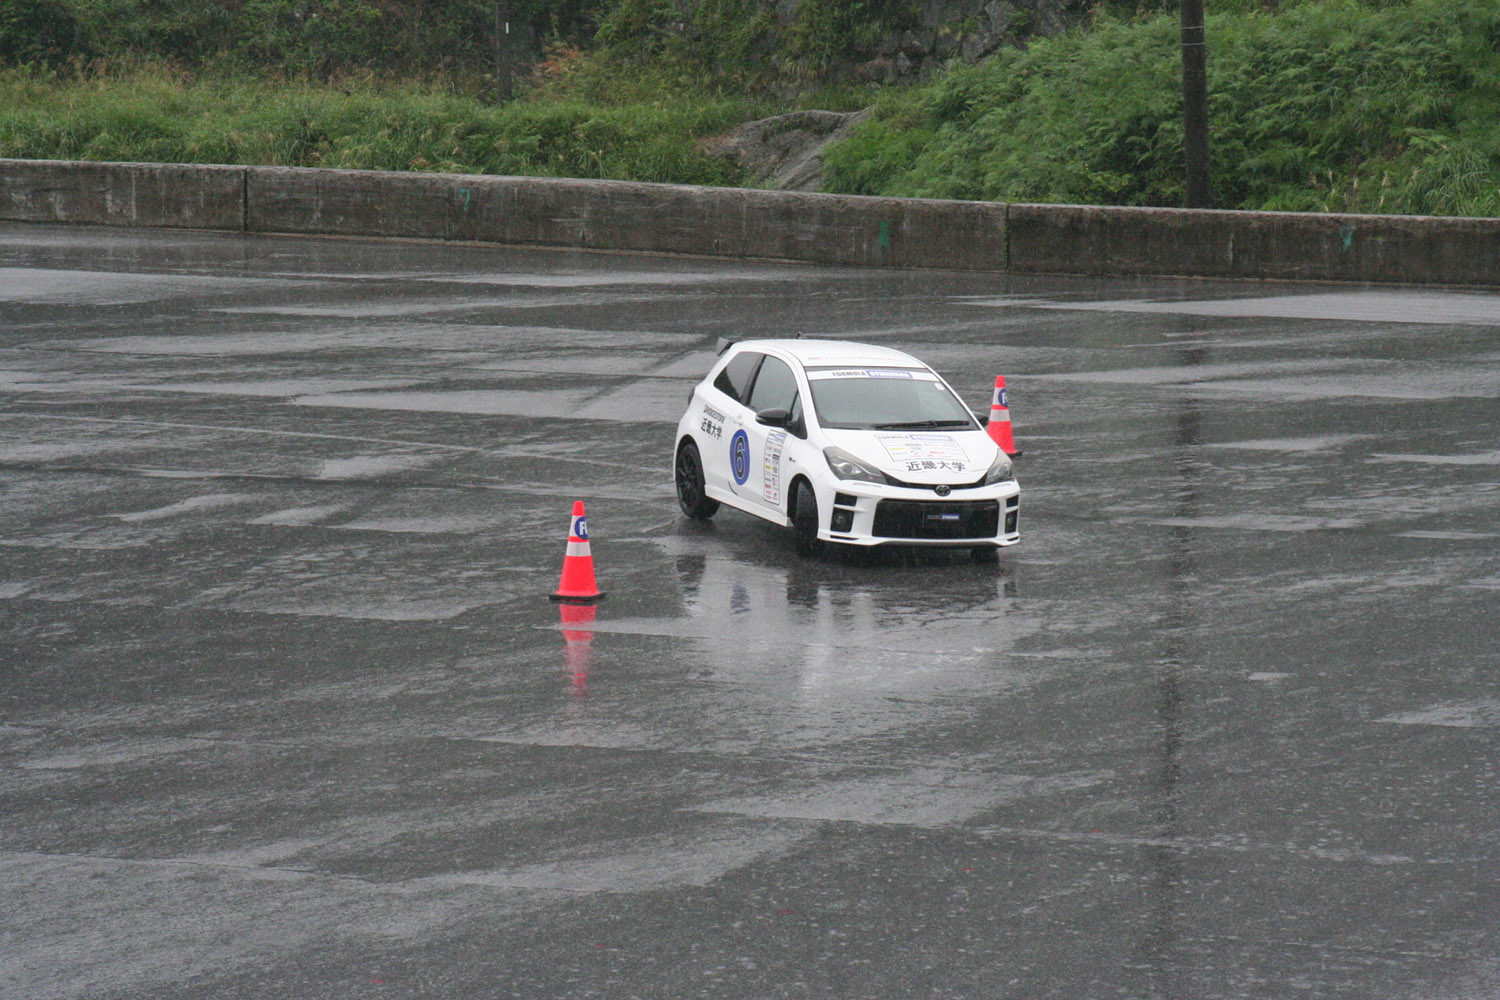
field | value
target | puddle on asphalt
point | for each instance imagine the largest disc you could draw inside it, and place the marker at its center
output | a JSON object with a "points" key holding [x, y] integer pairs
{"points": [[1365, 307], [371, 466], [1461, 715]]}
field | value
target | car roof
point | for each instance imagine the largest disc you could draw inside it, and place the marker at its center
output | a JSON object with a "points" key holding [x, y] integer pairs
{"points": [[835, 353]]}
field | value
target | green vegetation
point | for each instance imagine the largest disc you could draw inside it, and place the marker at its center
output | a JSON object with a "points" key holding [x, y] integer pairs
{"points": [[397, 84], [1335, 106], [284, 37], [153, 115], [742, 43], [1319, 105]]}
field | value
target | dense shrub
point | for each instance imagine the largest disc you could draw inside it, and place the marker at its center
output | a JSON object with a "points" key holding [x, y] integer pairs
{"points": [[1336, 106], [288, 37], [744, 44], [38, 31], [735, 41]]}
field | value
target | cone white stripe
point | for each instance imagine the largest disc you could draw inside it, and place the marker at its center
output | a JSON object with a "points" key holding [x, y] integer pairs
{"points": [[577, 547]]}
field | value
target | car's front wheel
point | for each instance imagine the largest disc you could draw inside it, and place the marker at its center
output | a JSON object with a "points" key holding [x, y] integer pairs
{"points": [[691, 495], [805, 520]]}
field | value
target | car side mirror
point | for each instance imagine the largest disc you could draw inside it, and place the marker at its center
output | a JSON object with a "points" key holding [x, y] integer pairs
{"points": [[774, 416]]}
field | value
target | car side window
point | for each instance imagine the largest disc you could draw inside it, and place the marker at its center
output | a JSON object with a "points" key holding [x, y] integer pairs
{"points": [[734, 381], [775, 386]]}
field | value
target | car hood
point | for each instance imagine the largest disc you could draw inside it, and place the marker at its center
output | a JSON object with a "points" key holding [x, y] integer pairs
{"points": [[921, 456]]}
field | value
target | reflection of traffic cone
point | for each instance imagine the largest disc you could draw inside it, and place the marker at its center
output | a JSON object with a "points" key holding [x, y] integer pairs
{"points": [[578, 650], [578, 565], [999, 425]]}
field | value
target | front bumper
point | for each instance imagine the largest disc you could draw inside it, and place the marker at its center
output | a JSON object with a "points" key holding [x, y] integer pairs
{"points": [[860, 514]]}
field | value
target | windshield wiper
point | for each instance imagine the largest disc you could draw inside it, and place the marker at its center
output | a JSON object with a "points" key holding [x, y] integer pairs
{"points": [[922, 424]]}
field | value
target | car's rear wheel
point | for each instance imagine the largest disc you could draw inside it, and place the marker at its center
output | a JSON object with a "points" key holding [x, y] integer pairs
{"points": [[805, 520], [691, 495]]}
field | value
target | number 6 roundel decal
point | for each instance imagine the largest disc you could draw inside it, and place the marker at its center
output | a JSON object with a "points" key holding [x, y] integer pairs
{"points": [[739, 457]]}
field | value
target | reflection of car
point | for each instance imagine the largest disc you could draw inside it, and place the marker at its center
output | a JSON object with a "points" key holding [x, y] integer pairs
{"points": [[845, 443]]}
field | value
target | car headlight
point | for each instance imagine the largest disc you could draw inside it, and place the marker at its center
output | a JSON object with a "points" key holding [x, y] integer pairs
{"points": [[846, 466], [1002, 471]]}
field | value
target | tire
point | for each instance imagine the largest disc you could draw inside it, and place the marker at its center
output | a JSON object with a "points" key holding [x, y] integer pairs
{"points": [[805, 521], [691, 495]]}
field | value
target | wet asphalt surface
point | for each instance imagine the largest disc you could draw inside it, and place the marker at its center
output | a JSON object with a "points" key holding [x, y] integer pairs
{"points": [[285, 711]]}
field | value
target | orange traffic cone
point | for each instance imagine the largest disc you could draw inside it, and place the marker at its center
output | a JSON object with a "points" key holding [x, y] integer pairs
{"points": [[999, 425], [578, 565]]}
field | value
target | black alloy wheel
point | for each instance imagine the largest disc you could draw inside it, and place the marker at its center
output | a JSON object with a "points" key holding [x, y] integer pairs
{"points": [[690, 492], [805, 521]]}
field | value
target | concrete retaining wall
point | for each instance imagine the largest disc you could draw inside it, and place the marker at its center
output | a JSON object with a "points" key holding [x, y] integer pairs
{"points": [[827, 229], [613, 215], [123, 194], [1283, 245]]}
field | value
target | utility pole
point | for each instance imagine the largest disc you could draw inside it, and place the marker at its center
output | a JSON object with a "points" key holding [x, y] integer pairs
{"points": [[1195, 105], [502, 51]]}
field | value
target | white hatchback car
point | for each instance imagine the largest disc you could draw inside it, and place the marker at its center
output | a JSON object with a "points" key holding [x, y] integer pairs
{"points": [[846, 443]]}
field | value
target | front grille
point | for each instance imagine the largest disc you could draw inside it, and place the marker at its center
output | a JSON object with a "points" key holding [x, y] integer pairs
{"points": [[893, 481], [937, 519]]}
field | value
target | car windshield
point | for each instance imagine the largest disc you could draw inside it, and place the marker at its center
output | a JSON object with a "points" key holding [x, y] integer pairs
{"points": [[904, 402]]}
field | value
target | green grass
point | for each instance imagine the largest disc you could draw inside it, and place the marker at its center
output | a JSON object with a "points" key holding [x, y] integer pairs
{"points": [[154, 114], [1333, 106]]}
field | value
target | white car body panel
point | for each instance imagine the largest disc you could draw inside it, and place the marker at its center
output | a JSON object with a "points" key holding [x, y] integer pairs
{"points": [[931, 473]]}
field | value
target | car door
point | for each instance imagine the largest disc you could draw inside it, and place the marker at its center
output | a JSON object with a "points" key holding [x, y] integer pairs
{"points": [[762, 479], [725, 448]]}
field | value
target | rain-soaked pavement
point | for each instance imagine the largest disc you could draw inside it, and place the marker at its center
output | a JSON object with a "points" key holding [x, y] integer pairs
{"points": [[285, 712]]}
